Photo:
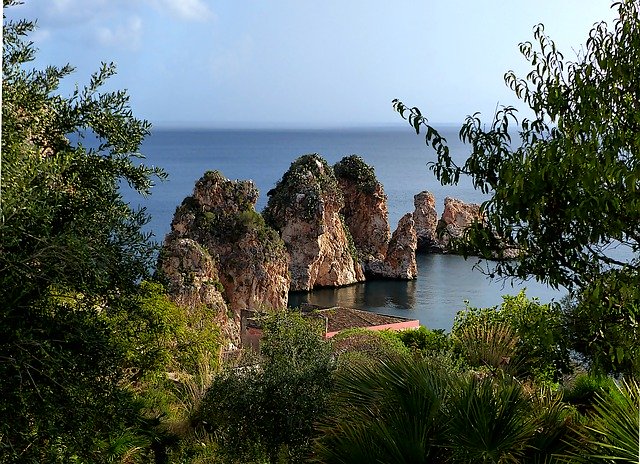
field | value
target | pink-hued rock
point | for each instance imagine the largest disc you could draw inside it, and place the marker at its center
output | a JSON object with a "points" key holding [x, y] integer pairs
{"points": [[190, 274], [192, 280], [365, 210], [456, 218], [400, 260], [305, 208]]}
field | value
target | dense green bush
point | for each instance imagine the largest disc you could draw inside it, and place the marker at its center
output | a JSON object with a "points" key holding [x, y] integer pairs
{"points": [[604, 323], [612, 431], [265, 411], [361, 345], [390, 410], [426, 341], [407, 410], [541, 349], [355, 169]]}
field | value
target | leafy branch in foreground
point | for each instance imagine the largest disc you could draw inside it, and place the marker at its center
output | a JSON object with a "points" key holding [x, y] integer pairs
{"points": [[568, 195], [72, 256]]}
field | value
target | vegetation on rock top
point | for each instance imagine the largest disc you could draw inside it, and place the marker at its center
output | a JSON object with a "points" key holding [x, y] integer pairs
{"points": [[355, 169], [308, 182]]}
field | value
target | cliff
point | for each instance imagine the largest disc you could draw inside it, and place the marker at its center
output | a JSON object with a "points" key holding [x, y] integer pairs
{"points": [[192, 280], [365, 209], [250, 257], [305, 207]]}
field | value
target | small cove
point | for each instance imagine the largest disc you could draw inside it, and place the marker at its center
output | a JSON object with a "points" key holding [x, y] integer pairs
{"points": [[444, 283]]}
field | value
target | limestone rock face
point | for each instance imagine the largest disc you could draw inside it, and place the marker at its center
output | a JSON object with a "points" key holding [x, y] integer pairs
{"points": [[365, 210], [305, 208], [457, 217], [191, 275], [251, 259], [400, 260], [425, 218], [192, 280]]}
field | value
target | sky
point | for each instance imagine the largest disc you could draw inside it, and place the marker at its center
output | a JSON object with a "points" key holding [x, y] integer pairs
{"points": [[300, 63]]}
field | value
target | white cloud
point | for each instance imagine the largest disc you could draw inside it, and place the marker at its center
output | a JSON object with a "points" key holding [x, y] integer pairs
{"points": [[40, 35], [190, 10], [125, 35]]}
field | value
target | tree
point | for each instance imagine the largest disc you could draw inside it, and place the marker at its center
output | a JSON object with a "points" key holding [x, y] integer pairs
{"points": [[567, 197], [72, 254]]}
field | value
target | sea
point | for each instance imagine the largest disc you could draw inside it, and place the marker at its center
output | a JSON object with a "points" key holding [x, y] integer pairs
{"points": [[445, 283]]}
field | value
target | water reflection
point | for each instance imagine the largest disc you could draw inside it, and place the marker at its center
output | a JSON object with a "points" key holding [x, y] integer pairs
{"points": [[444, 283]]}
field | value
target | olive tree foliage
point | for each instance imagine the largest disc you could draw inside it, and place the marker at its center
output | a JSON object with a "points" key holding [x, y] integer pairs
{"points": [[72, 254], [566, 195]]}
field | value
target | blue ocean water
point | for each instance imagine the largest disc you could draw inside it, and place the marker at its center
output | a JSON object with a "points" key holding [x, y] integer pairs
{"points": [[399, 158]]}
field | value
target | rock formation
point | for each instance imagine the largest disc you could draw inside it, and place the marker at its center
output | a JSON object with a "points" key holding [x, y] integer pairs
{"points": [[436, 235], [366, 215], [192, 280], [219, 219], [191, 275], [456, 218], [425, 218], [400, 260], [305, 208], [365, 209]]}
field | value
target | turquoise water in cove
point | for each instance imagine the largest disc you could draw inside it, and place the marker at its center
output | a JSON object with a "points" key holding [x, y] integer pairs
{"points": [[400, 160]]}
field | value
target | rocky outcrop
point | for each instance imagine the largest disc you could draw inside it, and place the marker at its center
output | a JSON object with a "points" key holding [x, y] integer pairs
{"points": [[250, 257], [440, 236], [191, 275], [192, 280], [437, 235], [305, 208], [400, 260], [456, 218], [365, 210], [425, 218], [367, 217]]}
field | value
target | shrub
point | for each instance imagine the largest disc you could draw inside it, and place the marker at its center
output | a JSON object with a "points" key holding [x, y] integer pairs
{"points": [[489, 421], [611, 434], [387, 410], [604, 323], [425, 340], [541, 351], [582, 391], [266, 411], [488, 344], [355, 169], [364, 345]]}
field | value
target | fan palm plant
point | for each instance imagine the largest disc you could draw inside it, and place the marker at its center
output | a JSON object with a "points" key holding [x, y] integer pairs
{"points": [[490, 421], [613, 434], [389, 411]]}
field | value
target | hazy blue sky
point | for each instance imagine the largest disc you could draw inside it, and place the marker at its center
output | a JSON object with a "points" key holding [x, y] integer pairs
{"points": [[304, 63]]}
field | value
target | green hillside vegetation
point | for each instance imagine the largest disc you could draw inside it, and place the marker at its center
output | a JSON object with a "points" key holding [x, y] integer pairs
{"points": [[98, 365]]}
